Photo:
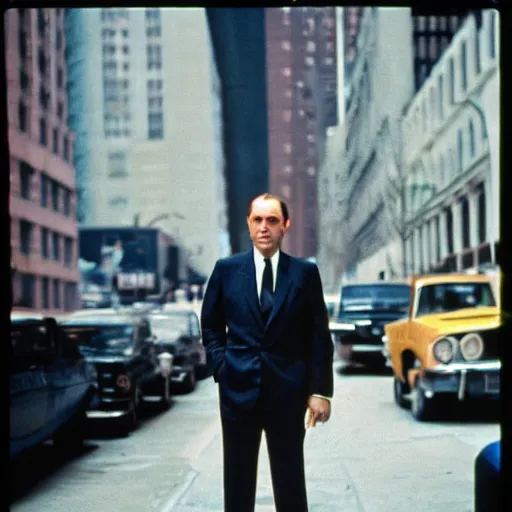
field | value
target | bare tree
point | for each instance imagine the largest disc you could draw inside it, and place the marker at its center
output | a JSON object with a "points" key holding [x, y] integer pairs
{"points": [[396, 188]]}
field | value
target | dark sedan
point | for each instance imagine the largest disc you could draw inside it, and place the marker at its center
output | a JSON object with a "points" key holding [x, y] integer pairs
{"points": [[50, 385], [178, 332], [129, 375], [364, 310]]}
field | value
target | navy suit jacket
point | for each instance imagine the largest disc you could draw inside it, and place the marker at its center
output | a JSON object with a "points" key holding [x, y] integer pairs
{"points": [[291, 354]]}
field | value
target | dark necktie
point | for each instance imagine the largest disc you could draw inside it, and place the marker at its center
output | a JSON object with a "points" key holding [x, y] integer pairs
{"points": [[267, 294]]}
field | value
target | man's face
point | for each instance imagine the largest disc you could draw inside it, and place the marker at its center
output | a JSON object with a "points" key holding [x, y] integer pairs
{"points": [[266, 225]]}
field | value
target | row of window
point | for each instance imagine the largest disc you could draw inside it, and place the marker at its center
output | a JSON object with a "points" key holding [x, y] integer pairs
{"points": [[424, 237], [436, 96], [55, 294], [52, 244], [48, 186]]}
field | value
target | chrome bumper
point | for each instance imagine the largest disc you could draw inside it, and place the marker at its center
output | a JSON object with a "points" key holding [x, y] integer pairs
{"points": [[477, 379]]}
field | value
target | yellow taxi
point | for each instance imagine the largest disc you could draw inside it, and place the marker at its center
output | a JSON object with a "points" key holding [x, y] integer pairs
{"points": [[447, 345]]}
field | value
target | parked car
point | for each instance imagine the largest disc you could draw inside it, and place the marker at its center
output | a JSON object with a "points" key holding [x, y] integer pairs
{"points": [[179, 333], [129, 373], [364, 310], [50, 385], [447, 345]]}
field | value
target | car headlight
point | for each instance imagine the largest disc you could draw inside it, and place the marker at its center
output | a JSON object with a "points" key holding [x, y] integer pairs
{"points": [[471, 346], [444, 349]]}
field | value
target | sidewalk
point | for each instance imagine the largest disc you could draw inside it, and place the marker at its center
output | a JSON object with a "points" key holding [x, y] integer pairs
{"points": [[329, 485]]}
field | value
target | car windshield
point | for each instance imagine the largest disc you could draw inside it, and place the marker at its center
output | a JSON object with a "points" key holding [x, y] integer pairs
{"points": [[446, 297], [101, 338], [375, 297], [169, 325]]}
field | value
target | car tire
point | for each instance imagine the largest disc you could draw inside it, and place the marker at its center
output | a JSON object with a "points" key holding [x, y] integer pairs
{"points": [[129, 422], [422, 408], [399, 394], [190, 381], [71, 438]]}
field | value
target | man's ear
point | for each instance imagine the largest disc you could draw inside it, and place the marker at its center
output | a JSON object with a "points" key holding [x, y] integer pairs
{"points": [[286, 225]]}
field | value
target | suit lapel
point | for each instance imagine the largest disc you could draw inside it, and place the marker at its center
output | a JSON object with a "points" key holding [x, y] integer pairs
{"points": [[282, 285], [248, 281]]}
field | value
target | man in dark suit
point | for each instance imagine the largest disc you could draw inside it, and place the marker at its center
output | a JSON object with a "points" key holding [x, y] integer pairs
{"points": [[266, 332]]}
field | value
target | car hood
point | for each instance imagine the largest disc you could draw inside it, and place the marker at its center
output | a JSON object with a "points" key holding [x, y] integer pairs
{"points": [[463, 320]]}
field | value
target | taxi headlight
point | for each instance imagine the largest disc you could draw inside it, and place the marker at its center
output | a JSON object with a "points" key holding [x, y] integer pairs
{"points": [[444, 349], [471, 346]]}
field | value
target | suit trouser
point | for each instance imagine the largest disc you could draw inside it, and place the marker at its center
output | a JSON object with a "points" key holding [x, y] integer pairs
{"points": [[284, 431]]}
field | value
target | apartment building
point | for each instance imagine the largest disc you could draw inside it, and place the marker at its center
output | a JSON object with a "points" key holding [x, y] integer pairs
{"points": [[147, 111], [42, 176]]}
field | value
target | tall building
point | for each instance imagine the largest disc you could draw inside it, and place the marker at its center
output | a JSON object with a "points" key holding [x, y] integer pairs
{"points": [[238, 37], [302, 103], [147, 110], [42, 197], [452, 154]]}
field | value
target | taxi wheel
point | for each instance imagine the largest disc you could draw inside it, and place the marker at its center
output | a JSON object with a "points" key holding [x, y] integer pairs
{"points": [[422, 407], [399, 392]]}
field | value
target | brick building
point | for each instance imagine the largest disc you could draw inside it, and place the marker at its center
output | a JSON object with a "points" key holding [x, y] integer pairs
{"points": [[42, 197], [302, 103]]}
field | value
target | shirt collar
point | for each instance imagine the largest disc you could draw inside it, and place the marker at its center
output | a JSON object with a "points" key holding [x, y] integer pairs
{"points": [[259, 258]]}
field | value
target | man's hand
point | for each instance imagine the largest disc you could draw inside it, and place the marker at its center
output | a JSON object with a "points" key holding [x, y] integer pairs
{"points": [[319, 410]]}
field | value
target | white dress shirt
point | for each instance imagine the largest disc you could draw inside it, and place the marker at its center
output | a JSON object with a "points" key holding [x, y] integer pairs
{"points": [[259, 263]]}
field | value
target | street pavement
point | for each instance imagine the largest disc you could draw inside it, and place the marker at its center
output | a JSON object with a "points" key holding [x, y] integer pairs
{"points": [[370, 457]]}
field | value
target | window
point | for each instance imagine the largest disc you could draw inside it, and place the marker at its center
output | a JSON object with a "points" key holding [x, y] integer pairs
{"points": [[438, 238], [460, 149], [287, 148], [287, 115], [44, 190], [471, 139], [441, 171], [492, 35], [449, 230], [27, 291], [464, 206], [451, 70], [70, 296], [117, 165], [45, 235], [481, 216], [286, 46], [60, 110], [68, 252], [22, 116], [286, 71], [45, 289], [118, 201], [441, 97], [55, 195], [56, 294], [60, 77], [463, 66], [66, 207], [55, 147], [58, 40], [155, 125], [25, 237], [422, 47], [43, 136], [56, 246], [25, 180], [478, 62]]}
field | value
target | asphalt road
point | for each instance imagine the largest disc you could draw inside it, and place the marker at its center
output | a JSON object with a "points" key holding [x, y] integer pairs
{"points": [[371, 456]]}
